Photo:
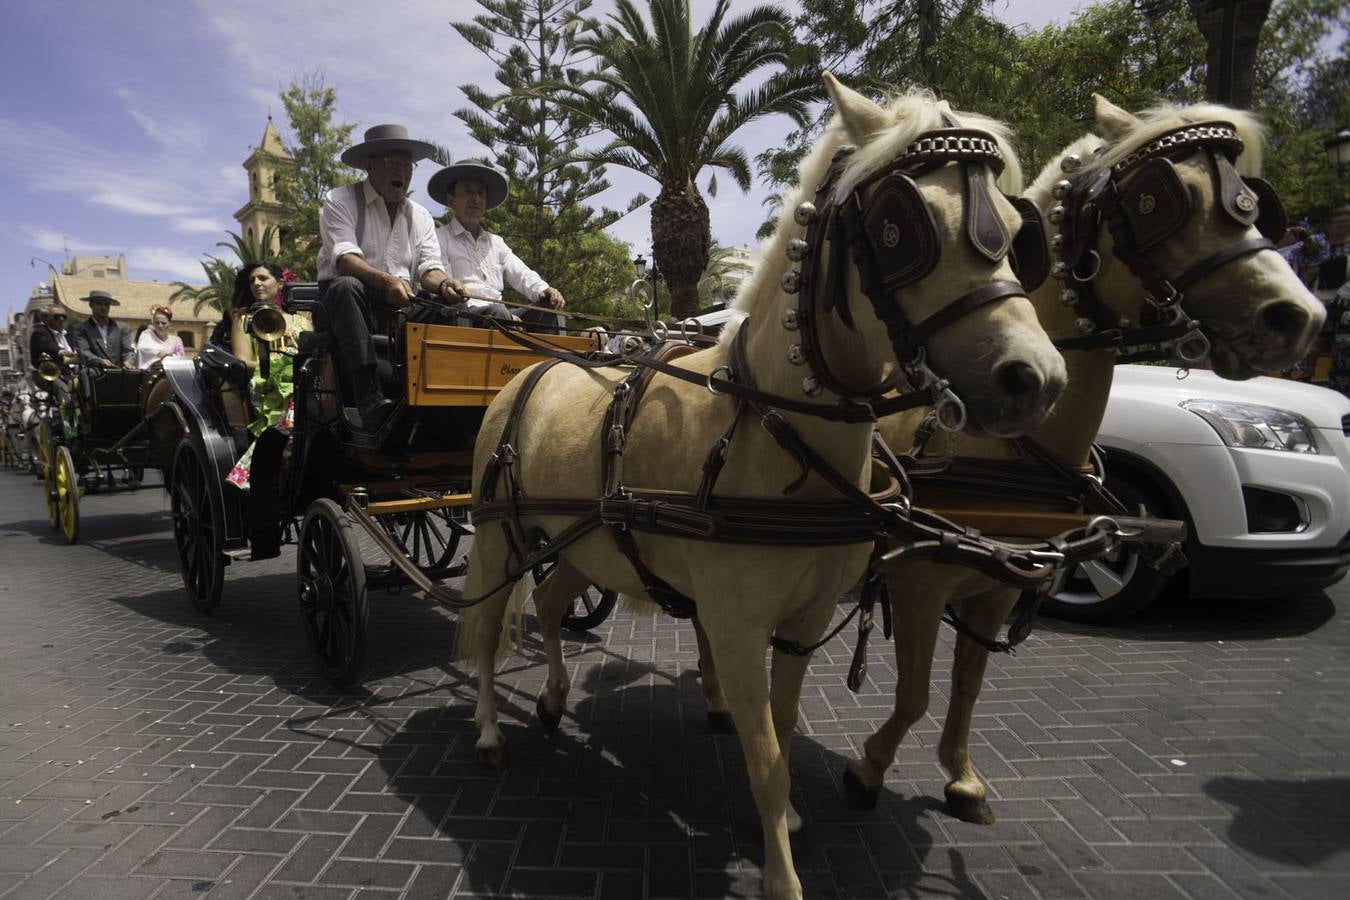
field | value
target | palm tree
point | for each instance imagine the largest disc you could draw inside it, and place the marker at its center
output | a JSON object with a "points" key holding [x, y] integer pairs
{"points": [[218, 292], [667, 96]]}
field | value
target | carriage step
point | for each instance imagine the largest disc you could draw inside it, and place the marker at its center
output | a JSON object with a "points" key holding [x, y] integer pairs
{"points": [[238, 553]]}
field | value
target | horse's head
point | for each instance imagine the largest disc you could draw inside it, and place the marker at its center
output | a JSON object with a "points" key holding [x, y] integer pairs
{"points": [[1165, 237], [904, 233]]}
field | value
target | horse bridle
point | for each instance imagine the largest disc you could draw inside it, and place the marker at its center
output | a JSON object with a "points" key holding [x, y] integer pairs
{"points": [[893, 242], [1142, 201]]}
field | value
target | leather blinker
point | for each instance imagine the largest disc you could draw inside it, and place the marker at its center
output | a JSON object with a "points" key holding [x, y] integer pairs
{"points": [[1156, 203], [1030, 250], [1271, 219], [1240, 203], [903, 234], [984, 226]]}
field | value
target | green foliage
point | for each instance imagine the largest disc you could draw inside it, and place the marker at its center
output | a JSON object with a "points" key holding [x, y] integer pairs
{"points": [[547, 219], [667, 96], [316, 140], [1134, 52]]}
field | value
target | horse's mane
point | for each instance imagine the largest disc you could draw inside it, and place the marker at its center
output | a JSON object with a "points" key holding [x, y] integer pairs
{"points": [[911, 114], [1153, 122]]}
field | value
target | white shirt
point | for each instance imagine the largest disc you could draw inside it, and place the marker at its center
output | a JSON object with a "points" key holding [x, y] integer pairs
{"points": [[149, 346], [485, 263], [406, 247], [62, 342]]}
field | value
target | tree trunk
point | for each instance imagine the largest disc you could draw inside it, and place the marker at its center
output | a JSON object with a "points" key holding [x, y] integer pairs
{"points": [[681, 236], [1251, 15]]}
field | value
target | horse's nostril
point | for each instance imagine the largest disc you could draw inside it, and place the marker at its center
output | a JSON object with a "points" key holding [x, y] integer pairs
{"points": [[1284, 317], [1018, 379]]}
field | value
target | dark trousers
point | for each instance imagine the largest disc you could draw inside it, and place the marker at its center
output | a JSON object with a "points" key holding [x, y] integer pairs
{"points": [[543, 319], [354, 313]]}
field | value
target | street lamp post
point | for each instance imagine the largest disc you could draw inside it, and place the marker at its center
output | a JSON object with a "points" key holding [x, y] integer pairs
{"points": [[1338, 150]]}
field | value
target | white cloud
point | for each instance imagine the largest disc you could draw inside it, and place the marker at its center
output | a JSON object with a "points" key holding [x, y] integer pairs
{"points": [[176, 264], [200, 225], [175, 133]]}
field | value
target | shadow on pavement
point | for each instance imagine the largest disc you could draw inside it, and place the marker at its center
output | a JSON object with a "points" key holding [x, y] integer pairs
{"points": [[634, 784], [1208, 619], [1286, 820]]}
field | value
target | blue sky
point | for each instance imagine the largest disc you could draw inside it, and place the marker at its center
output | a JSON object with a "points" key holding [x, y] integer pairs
{"points": [[124, 122]]}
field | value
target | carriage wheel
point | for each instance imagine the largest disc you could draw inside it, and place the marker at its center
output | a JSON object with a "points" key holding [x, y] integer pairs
{"points": [[66, 487], [591, 607], [332, 586], [47, 474], [429, 538], [196, 529]]}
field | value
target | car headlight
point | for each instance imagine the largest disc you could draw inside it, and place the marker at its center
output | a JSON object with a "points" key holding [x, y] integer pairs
{"points": [[1254, 426]]}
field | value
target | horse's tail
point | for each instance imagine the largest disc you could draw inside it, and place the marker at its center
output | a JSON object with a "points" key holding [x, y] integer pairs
{"points": [[490, 620]]}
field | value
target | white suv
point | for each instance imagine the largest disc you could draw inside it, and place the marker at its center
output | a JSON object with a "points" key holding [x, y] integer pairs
{"points": [[1257, 469]]}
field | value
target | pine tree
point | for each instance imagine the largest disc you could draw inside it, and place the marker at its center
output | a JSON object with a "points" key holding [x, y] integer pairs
{"points": [[547, 219]]}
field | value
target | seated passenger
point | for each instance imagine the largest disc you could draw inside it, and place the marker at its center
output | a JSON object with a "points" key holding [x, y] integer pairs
{"points": [[101, 340], [273, 394], [481, 259], [376, 243], [157, 342], [48, 340]]}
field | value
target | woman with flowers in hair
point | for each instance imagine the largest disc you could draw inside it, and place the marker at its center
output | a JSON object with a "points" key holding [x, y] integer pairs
{"points": [[157, 341], [271, 394]]}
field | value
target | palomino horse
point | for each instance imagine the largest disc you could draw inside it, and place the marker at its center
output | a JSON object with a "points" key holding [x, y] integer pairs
{"points": [[1255, 312], [995, 353]]}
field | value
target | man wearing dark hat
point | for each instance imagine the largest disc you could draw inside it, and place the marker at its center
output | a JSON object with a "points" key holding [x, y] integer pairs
{"points": [[101, 340], [479, 258], [48, 340], [377, 243]]}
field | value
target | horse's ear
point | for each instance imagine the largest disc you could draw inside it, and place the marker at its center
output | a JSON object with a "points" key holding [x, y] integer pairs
{"points": [[1114, 122], [860, 116]]}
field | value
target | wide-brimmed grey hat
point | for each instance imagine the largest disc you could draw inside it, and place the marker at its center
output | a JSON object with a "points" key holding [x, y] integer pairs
{"points": [[383, 139], [101, 295], [493, 178]]}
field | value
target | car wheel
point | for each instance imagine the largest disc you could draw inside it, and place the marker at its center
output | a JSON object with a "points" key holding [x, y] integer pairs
{"points": [[1110, 590]]}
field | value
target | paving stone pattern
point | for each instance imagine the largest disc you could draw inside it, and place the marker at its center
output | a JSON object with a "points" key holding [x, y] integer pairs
{"points": [[149, 751]]}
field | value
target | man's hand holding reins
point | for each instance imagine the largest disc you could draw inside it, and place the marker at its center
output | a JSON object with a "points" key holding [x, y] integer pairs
{"points": [[552, 298]]}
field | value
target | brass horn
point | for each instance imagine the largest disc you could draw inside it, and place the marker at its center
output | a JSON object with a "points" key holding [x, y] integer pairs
{"points": [[48, 370], [267, 323]]}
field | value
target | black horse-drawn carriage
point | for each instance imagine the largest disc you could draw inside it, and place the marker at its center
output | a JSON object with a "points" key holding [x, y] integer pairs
{"points": [[341, 496], [95, 433]]}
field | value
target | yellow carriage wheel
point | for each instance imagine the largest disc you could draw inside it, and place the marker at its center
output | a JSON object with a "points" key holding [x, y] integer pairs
{"points": [[44, 461], [67, 488]]}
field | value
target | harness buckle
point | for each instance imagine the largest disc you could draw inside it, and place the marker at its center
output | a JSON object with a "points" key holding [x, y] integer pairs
{"points": [[505, 455], [949, 410], [616, 440], [1052, 558], [708, 383], [1192, 348]]}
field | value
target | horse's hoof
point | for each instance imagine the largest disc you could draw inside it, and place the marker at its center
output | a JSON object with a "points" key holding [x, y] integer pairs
{"points": [[494, 757], [975, 810], [721, 722], [546, 718], [863, 797]]}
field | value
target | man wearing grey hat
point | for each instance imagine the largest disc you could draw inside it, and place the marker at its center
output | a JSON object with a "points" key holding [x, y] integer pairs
{"points": [[376, 244], [101, 340], [481, 259]]}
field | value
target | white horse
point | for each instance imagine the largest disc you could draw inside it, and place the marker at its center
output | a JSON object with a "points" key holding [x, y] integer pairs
{"points": [[1256, 313], [997, 358]]}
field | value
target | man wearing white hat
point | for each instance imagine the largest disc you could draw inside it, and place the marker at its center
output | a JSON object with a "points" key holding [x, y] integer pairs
{"points": [[376, 244], [479, 258]]}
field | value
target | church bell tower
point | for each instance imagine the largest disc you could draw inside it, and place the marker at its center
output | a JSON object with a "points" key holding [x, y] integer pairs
{"points": [[262, 208]]}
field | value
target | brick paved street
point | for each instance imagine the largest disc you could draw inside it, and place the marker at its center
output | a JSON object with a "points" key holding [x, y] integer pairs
{"points": [[149, 751]]}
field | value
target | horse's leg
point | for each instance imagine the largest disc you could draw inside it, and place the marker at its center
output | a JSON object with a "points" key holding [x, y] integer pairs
{"points": [[718, 716], [917, 612], [785, 684], [985, 613], [738, 653], [551, 601], [487, 566]]}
